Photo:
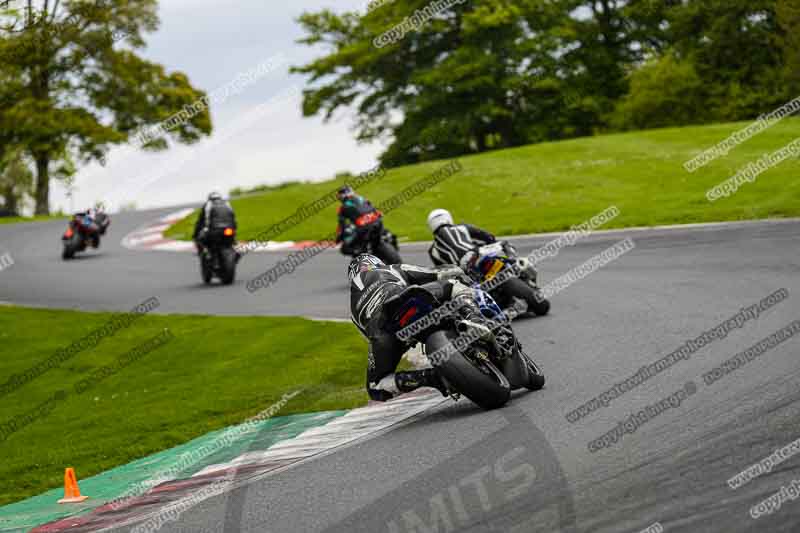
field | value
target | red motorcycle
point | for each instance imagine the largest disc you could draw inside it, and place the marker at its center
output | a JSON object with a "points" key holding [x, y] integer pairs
{"points": [[83, 231]]}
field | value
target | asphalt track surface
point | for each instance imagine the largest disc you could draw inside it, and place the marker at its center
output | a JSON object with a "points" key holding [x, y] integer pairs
{"points": [[523, 467]]}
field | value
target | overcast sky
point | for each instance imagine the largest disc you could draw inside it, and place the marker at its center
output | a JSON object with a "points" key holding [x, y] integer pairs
{"points": [[259, 135]]}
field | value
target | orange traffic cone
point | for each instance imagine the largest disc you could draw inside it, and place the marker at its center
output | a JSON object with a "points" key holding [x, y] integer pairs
{"points": [[72, 494]]}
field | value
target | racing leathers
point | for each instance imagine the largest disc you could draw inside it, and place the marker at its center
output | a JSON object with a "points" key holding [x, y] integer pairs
{"points": [[368, 292], [457, 244]]}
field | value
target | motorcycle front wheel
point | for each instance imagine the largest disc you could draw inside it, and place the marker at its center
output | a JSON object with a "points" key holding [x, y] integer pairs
{"points": [[387, 253], [71, 246], [537, 304]]}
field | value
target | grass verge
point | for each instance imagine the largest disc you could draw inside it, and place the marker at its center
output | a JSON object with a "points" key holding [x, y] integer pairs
{"points": [[38, 218], [215, 372], [551, 186]]}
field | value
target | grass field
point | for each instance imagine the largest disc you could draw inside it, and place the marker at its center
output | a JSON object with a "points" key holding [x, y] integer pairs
{"points": [[551, 186], [39, 218], [215, 372]]}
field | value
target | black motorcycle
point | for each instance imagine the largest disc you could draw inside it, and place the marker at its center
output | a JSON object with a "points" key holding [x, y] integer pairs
{"points": [[483, 370], [499, 260], [369, 236], [218, 257]]}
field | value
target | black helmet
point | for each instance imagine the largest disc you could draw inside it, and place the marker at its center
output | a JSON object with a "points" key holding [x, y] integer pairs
{"points": [[362, 263], [345, 191]]}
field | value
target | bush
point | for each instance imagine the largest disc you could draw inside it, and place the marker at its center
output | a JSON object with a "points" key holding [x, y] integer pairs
{"points": [[663, 92]]}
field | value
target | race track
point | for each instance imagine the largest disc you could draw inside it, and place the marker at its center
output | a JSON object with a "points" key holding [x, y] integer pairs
{"points": [[524, 467]]}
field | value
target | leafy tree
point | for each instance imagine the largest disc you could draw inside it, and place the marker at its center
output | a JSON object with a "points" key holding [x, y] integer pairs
{"points": [[462, 81], [79, 89], [16, 180], [788, 16], [487, 74], [732, 46], [480, 75], [665, 91]]}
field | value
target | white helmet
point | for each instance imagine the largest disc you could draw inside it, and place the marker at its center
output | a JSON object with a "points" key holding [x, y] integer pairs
{"points": [[438, 218]]}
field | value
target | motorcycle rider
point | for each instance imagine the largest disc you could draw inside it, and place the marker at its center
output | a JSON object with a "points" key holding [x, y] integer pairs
{"points": [[459, 244], [216, 214], [355, 211], [454, 244], [371, 283], [99, 217], [95, 221]]}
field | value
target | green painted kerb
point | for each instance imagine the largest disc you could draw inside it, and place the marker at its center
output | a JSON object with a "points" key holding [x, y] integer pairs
{"points": [[115, 483]]}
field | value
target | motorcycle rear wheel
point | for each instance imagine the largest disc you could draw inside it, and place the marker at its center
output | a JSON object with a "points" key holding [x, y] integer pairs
{"points": [[227, 266], [477, 378]]}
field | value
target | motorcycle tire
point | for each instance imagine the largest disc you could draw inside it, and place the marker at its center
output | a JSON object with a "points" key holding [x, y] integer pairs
{"points": [[515, 287], [227, 265], [387, 253], [70, 247], [536, 379], [482, 382]]}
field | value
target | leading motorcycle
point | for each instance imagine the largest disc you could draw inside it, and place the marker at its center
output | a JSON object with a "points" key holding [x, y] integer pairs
{"points": [[484, 370], [83, 231]]}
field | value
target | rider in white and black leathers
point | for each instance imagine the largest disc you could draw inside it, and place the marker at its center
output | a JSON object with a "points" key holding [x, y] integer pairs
{"points": [[454, 244], [371, 283]]}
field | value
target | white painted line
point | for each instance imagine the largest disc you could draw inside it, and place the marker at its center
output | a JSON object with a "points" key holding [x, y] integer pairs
{"points": [[178, 215], [355, 425]]}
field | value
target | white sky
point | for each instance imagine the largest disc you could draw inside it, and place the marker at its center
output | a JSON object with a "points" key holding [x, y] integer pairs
{"points": [[213, 43]]}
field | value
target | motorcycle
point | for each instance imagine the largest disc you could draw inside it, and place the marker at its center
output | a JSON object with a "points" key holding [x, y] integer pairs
{"points": [[218, 257], [520, 290], [369, 236], [485, 371], [83, 231]]}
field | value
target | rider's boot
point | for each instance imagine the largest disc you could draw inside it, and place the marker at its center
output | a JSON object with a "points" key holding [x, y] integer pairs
{"points": [[414, 379]]}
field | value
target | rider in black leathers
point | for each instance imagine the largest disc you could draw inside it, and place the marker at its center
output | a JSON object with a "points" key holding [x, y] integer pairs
{"points": [[371, 283], [216, 215]]}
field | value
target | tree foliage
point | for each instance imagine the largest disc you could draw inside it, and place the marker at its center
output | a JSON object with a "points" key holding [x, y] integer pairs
{"points": [[70, 87], [16, 180], [486, 74]]}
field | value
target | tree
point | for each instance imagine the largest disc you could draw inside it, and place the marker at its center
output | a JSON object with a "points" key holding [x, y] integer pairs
{"points": [[788, 15], [474, 76], [664, 92], [463, 79], [484, 74], [16, 180], [80, 90]]}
